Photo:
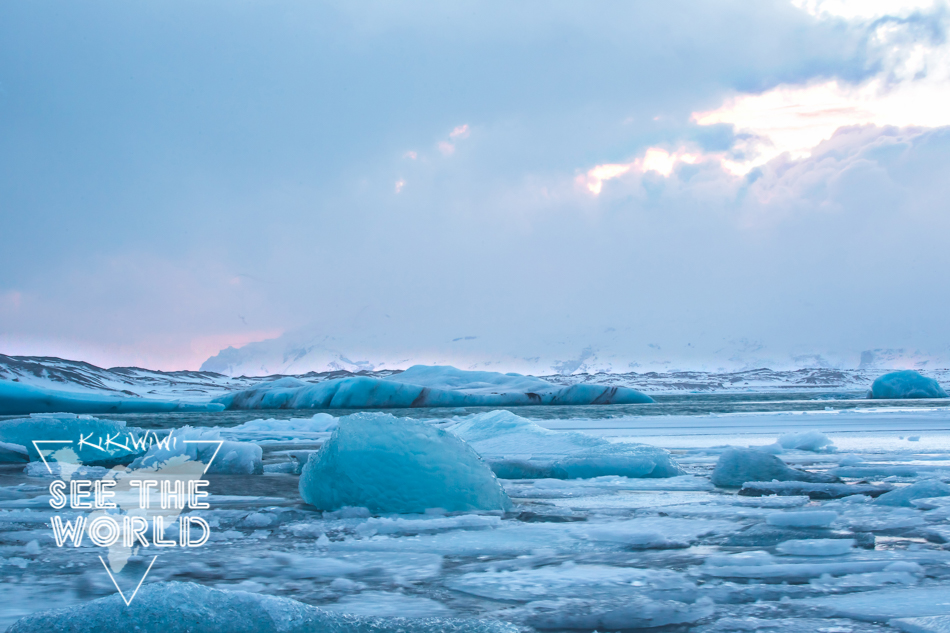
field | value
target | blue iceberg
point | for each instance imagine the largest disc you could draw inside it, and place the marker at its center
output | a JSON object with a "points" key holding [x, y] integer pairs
{"points": [[737, 466], [398, 465], [517, 448], [425, 386], [905, 384], [20, 399], [185, 607]]}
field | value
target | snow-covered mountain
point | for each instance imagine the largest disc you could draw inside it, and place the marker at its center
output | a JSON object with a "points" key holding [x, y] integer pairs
{"points": [[200, 386], [607, 351]]}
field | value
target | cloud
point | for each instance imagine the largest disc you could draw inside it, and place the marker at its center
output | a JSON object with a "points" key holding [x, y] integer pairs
{"points": [[654, 159], [910, 88], [195, 143]]}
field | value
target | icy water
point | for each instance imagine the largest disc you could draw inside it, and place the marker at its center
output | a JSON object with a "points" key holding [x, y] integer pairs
{"points": [[606, 554], [665, 405]]}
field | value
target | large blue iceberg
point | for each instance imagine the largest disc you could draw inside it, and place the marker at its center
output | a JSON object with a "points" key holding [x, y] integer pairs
{"points": [[21, 399], [425, 386], [905, 384], [398, 465], [517, 448], [184, 607]]}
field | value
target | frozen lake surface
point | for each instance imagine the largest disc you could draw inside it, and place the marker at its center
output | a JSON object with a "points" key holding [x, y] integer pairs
{"points": [[606, 553]]}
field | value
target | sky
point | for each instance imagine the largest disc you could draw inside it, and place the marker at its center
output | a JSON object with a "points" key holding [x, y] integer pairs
{"points": [[534, 186]]}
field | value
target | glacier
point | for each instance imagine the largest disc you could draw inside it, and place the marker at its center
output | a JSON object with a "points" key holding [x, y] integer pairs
{"points": [[398, 465], [905, 384], [517, 448], [185, 607], [21, 399], [425, 386]]}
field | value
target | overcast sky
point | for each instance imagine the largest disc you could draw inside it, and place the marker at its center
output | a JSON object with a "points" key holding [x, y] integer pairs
{"points": [[678, 182]]}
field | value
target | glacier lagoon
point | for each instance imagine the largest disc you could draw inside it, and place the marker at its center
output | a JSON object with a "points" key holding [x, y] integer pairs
{"points": [[604, 552]]}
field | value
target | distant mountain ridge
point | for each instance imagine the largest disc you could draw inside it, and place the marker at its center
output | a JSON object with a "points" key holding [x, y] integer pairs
{"points": [[78, 376]]}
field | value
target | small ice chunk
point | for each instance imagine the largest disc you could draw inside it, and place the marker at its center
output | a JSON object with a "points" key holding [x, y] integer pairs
{"points": [[816, 518], [808, 441], [913, 438], [398, 465], [13, 453], [927, 624], [629, 613], [743, 559], [817, 547], [887, 603], [736, 466], [232, 458], [906, 384], [814, 491], [920, 490]]}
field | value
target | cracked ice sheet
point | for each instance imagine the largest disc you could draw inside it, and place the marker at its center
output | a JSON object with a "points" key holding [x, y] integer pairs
{"points": [[514, 538], [561, 488]]}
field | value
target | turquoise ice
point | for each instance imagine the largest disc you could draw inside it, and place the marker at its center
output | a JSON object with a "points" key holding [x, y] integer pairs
{"points": [[905, 384], [398, 465]]}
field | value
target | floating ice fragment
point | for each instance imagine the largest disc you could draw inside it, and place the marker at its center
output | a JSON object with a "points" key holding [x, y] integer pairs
{"points": [[816, 518], [814, 491], [887, 603], [906, 384], [927, 624], [817, 547], [920, 490], [633, 612], [517, 448], [388, 464], [736, 466], [807, 441], [233, 458], [13, 453], [173, 607]]}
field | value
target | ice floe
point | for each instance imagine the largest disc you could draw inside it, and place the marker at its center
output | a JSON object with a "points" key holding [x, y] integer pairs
{"points": [[517, 448]]}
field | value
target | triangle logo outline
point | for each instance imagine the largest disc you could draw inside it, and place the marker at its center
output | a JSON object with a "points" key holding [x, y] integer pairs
{"points": [[128, 601]]}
